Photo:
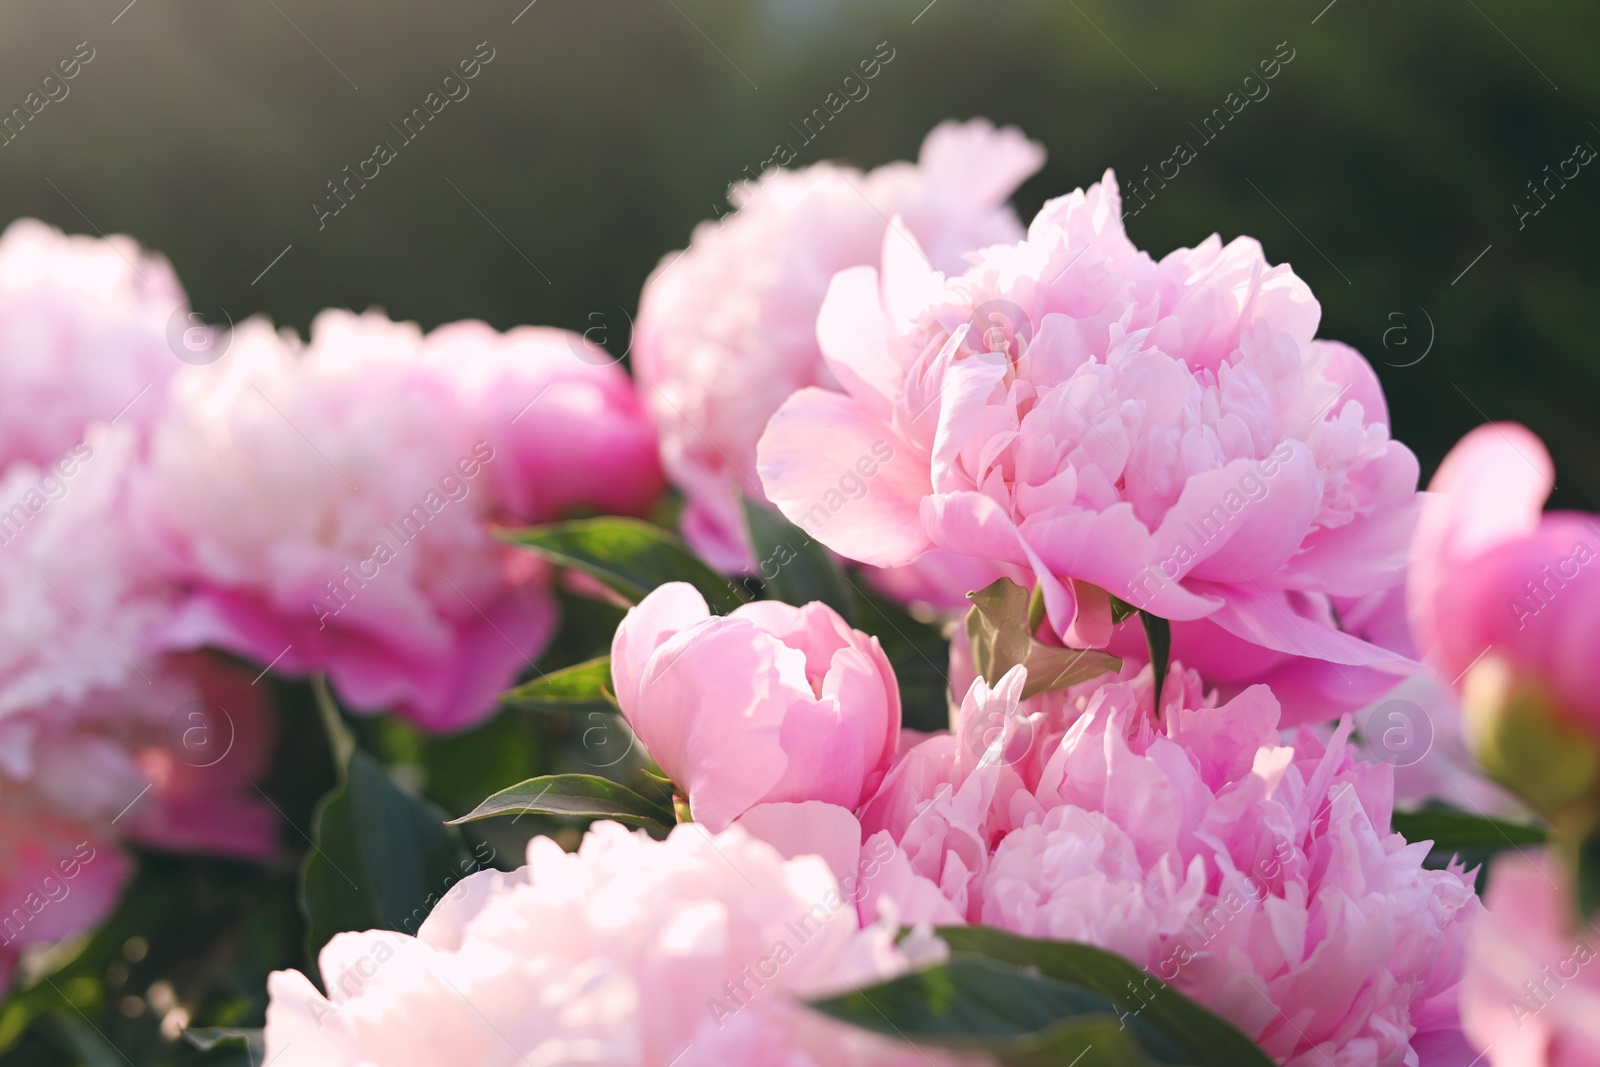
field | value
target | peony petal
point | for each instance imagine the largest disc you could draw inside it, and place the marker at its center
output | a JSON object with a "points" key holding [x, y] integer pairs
{"points": [[844, 478], [811, 828], [1274, 619], [666, 611], [853, 333]]}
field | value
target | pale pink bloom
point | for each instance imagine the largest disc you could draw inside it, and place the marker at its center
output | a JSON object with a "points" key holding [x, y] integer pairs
{"points": [[327, 508], [80, 603], [727, 328], [1261, 879], [1531, 994], [1169, 432], [769, 703], [83, 337], [696, 951], [1491, 572]]}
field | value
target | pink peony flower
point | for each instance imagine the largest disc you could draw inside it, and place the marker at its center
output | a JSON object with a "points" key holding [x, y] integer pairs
{"points": [[84, 337], [1169, 432], [635, 953], [1492, 575], [1532, 986], [57, 878], [727, 328], [327, 508], [769, 703], [1260, 879], [103, 740], [167, 759], [79, 600]]}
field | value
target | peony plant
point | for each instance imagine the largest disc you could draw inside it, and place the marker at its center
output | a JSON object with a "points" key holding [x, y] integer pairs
{"points": [[1157, 542]]}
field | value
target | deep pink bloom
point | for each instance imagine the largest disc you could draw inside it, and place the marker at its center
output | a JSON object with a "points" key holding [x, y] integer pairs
{"points": [[695, 952], [727, 328], [104, 741], [84, 337], [1493, 577], [769, 703], [1532, 987], [327, 508], [1259, 878], [1169, 432], [57, 878]]}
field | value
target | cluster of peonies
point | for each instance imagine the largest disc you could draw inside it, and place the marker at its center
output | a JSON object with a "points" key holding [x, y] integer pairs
{"points": [[172, 496], [932, 393], [1259, 877], [944, 399]]}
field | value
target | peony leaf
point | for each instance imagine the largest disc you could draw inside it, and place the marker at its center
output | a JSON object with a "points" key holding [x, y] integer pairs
{"points": [[793, 566], [1588, 880], [580, 687], [1458, 831], [1019, 1018], [1121, 610], [380, 854], [999, 631], [1052, 668], [1158, 635], [629, 556], [582, 796], [1204, 1038], [997, 628]]}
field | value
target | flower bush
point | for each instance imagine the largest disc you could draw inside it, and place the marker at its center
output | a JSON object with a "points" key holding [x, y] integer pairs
{"points": [[1143, 535]]}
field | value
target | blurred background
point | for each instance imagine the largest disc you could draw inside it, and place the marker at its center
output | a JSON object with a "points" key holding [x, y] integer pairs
{"points": [[1398, 161], [1428, 167]]}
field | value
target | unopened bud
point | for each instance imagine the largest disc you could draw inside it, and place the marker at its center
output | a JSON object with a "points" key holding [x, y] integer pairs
{"points": [[1522, 739]]}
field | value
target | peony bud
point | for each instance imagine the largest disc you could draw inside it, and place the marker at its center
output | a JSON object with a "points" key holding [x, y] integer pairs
{"points": [[770, 703], [1522, 739]]}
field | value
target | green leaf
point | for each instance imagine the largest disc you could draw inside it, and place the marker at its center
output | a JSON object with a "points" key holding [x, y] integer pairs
{"points": [[1204, 1038], [629, 556], [1463, 838], [801, 569], [1121, 610], [1158, 635], [1459, 831], [1000, 636], [1051, 668], [974, 1004], [583, 796], [381, 855], [1077, 1043], [1588, 894], [580, 687], [997, 628]]}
